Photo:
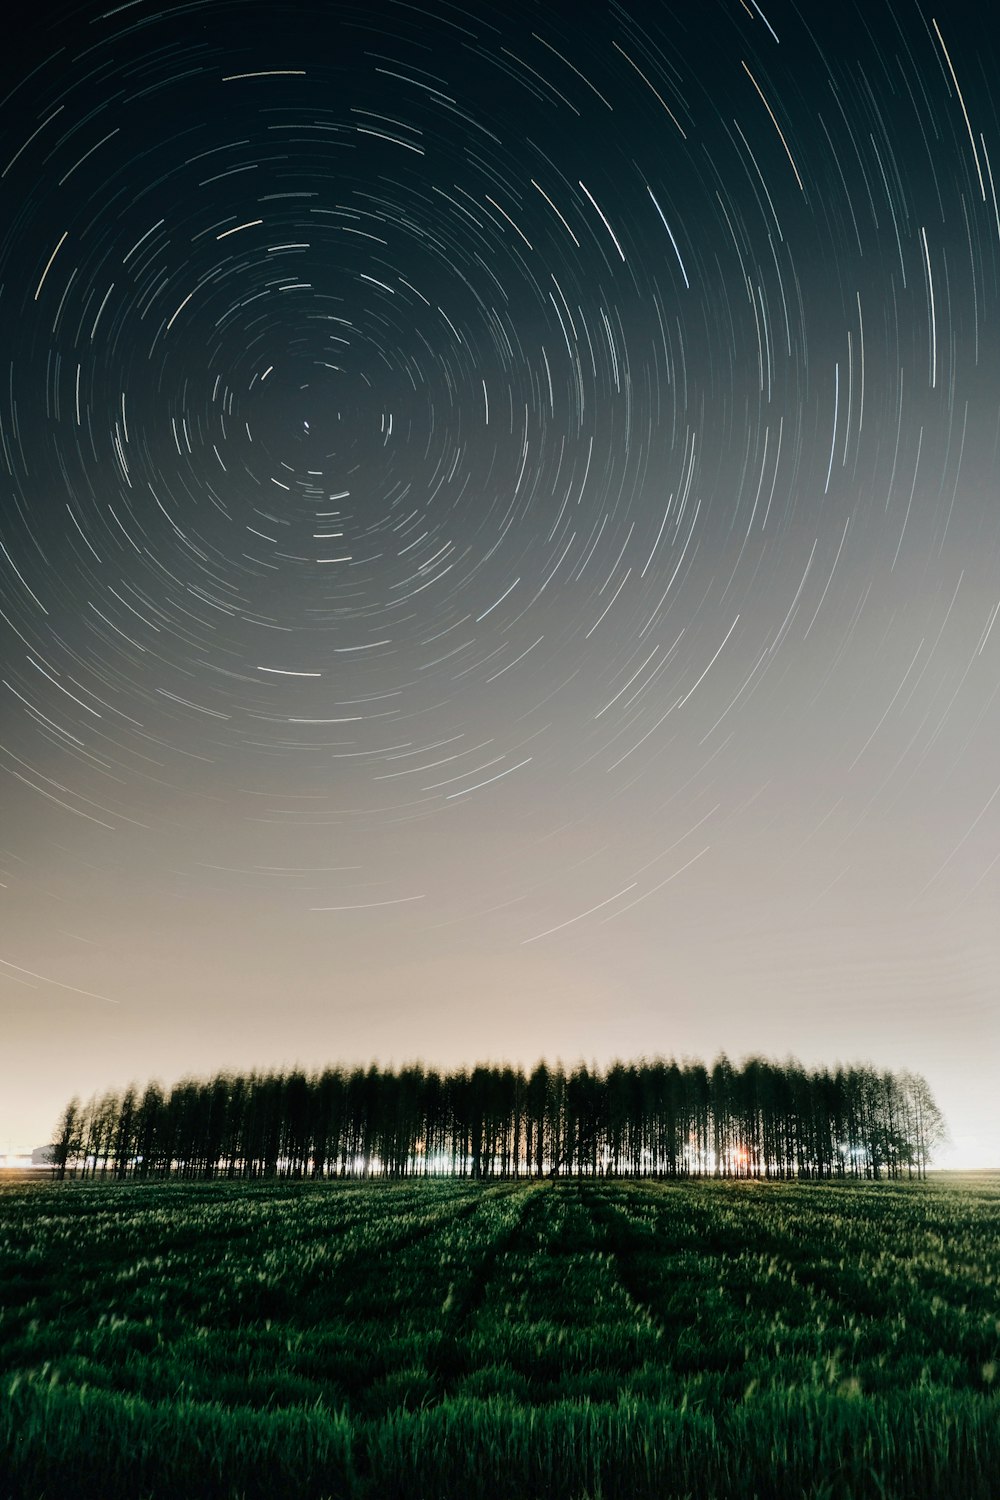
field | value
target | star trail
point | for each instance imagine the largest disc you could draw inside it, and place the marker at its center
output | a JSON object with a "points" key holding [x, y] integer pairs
{"points": [[498, 539]]}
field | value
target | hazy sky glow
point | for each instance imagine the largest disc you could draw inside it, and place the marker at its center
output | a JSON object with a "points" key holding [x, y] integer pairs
{"points": [[499, 540]]}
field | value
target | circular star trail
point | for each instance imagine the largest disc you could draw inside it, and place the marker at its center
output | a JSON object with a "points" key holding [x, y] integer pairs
{"points": [[514, 470]]}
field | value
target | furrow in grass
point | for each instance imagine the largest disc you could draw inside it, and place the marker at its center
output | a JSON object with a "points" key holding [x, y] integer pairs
{"points": [[448, 1355]]}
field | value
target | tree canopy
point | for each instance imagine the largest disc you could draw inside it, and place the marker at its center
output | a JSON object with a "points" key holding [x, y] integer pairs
{"points": [[651, 1118]]}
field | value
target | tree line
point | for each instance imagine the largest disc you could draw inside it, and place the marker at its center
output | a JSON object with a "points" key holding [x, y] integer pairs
{"points": [[652, 1118]]}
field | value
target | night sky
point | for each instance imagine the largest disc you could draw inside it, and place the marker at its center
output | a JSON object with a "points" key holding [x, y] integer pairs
{"points": [[499, 540]]}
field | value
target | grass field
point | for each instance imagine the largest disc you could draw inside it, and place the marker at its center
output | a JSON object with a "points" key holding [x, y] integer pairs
{"points": [[579, 1340]]}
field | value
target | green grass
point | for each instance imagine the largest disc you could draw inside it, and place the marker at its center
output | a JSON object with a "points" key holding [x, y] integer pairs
{"points": [[582, 1340]]}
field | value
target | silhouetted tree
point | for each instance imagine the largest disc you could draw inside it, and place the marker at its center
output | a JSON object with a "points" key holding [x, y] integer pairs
{"points": [[760, 1119], [68, 1138]]}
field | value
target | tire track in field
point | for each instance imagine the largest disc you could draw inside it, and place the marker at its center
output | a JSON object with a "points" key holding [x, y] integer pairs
{"points": [[724, 1244], [429, 1223], [446, 1360], [618, 1234], [685, 1248], [205, 1220], [800, 1250], [331, 1267]]}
